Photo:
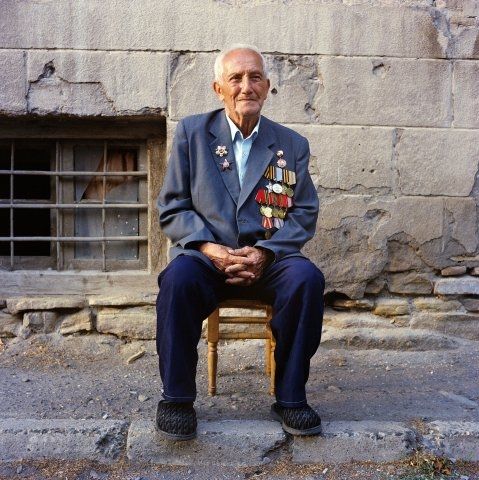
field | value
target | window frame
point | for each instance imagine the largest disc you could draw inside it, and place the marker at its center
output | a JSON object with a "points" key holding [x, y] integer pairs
{"points": [[149, 137]]}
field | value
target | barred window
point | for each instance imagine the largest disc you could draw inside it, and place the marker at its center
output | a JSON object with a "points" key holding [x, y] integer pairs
{"points": [[67, 204]]}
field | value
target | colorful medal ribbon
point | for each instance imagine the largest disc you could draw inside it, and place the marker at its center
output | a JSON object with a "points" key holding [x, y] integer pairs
{"points": [[277, 197]]}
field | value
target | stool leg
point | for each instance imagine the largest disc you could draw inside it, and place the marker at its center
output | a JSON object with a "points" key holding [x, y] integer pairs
{"points": [[267, 356], [273, 367], [213, 336]]}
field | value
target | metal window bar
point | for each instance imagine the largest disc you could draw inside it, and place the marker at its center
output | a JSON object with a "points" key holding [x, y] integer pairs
{"points": [[59, 206], [76, 206], [103, 210], [59, 173], [134, 238], [57, 195], [12, 245]]}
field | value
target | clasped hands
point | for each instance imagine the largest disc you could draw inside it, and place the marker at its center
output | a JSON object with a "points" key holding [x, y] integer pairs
{"points": [[243, 266]]}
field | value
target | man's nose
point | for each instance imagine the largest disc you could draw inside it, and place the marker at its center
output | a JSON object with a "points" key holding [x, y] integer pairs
{"points": [[246, 84]]}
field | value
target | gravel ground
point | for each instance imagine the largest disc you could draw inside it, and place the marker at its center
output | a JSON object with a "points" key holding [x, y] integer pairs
{"points": [[87, 376], [50, 376]]}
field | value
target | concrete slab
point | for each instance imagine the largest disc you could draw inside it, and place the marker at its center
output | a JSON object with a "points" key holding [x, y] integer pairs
{"points": [[459, 440], [226, 442], [38, 439], [344, 442]]}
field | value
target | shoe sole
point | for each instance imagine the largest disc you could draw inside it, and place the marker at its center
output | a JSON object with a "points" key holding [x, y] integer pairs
{"points": [[175, 436], [293, 431]]}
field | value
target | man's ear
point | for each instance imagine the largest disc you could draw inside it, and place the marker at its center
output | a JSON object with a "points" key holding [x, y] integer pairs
{"points": [[218, 90]]}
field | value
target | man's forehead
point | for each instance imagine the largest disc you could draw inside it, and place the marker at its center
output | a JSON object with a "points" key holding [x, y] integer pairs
{"points": [[242, 60]]}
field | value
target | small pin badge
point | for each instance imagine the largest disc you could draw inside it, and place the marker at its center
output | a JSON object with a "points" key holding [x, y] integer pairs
{"points": [[225, 165], [281, 161], [221, 150]]}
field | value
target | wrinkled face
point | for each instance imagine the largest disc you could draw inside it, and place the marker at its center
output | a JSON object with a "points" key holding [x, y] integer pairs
{"points": [[244, 87]]}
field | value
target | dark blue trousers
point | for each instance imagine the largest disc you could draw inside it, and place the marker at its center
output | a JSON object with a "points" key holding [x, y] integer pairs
{"points": [[190, 290]]}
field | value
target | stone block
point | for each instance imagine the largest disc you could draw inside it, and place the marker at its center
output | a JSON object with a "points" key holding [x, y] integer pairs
{"points": [[77, 322], [347, 157], [344, 320], [466, 93], [436, 304], [458, 440], [383, 91], [390, 307], [170, 134], [227, 442], [409, 283], [9, 325], [43, 321], [454, 271], [470, 304], [12, 79], [391, 338], [402, 256], [136, 322], [353, 232], [193, 26], [123, 299], [418, 217], [424, 161], [351, 304], [31, 439], [97, 83], [457, 286], [345, 442], [475, 271], [54, 302], [464, 325], [463, 221], [294, 83]]}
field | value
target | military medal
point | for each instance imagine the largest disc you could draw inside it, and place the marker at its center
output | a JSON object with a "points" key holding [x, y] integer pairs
{"points": [[225, 165], [221, 150], [277, 188], [277, 196], [281, 161]]}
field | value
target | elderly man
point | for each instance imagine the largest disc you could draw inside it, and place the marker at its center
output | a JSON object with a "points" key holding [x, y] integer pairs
{"points": [[238, 204]]}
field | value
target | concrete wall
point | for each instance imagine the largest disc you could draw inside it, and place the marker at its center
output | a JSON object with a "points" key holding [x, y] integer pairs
{"points": [[387, 92]]}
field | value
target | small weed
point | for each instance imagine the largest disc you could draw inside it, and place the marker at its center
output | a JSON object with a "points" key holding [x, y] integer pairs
{"points": [[426, 466]]}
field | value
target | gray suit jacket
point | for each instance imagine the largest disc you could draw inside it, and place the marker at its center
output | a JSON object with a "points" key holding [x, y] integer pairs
{"points": [[199, 202]]}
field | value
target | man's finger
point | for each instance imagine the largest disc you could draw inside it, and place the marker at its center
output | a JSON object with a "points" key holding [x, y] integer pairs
{"points": [[243, 260], [238, 281], [237, 268], [240, 251]]}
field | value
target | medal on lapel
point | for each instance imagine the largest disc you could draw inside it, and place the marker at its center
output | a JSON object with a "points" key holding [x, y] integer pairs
{"points": [[277, 196], [221, 151]]}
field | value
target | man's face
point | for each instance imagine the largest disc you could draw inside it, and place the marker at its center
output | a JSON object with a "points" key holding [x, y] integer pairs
{"points": [[244, 87]]}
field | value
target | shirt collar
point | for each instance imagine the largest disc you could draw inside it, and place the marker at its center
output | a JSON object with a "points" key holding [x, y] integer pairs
{"points": [[234, 129]]}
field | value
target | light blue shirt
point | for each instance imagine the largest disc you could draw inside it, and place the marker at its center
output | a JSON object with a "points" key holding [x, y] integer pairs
{"points": [[241, 146]]}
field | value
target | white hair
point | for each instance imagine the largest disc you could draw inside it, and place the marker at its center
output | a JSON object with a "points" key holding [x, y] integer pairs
{"points": [[219, 64]]}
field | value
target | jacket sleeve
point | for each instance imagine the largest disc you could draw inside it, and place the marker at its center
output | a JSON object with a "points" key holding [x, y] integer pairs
{"points": [[178, 219], [300, 222]]}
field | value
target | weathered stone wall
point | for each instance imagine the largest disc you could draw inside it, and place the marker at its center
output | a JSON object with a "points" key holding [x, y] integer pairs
{"points": [[387, 92]]}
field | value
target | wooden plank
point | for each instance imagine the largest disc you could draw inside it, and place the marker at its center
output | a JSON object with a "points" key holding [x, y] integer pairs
{"points": [[68, 283], [250, 320], [90, 128]]}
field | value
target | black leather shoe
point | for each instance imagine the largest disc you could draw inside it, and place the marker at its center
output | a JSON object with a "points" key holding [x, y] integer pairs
{"points": [[176, 421], [297, 421]]}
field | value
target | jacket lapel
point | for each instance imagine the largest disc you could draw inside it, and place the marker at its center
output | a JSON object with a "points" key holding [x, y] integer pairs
{"points": [[222, 133], [259, 158]]}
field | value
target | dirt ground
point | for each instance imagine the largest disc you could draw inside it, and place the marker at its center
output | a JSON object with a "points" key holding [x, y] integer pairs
{"points": [[50, 376], [87, 376]]}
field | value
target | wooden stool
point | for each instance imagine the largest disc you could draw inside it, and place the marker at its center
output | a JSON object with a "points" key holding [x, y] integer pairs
{"points": [[214, 335]]}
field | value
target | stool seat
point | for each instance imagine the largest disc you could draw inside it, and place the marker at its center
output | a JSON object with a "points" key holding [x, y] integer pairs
{"points": [[214, 334]]}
